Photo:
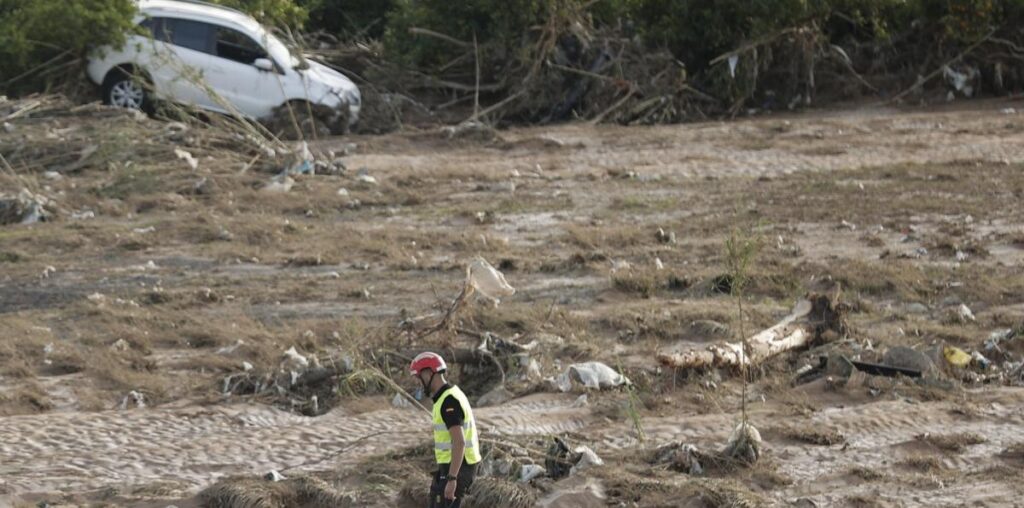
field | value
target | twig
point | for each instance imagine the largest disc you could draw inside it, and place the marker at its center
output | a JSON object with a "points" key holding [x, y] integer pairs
{"points": [[36, 68], [476, 93], [753, 44], [618, 104], [939, 70], [500, 105], [583, 72], [437, 35]]}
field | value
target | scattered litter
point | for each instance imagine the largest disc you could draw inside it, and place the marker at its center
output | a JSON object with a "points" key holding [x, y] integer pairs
{"points": [[400, 402], [52, 175], [961, 81], [997, 337], [596, 375], [619, 265], [246, 366], [486, 279], [96, 298], [587, 459], [847, 225], [144, 231], [187, 157], [86, 215], [979, 361], [135, 398], [274, 476], [294, 356], [962, 315], [25, 208], [343, 192], [280, 184], [955, 356], [120, 345], [734, 60], [744, 443], [658, 264], [367, 179], [1008, 111], [961, 256], [226, 350], [884, 370], [664, 237], [48, 271], [530, 471], [581, 401]]}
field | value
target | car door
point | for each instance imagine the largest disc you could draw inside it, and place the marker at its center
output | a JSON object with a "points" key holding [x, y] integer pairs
{"points": [[185, 66], [253, 91]]}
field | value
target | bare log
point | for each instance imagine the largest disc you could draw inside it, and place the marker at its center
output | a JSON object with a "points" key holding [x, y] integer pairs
{"points": [[796, 330]]}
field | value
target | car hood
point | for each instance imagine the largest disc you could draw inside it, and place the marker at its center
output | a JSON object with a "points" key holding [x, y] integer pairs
{"points": [[324, 75]]}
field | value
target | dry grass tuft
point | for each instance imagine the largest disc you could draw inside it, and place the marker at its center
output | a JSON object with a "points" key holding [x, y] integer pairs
{"points": [[300, 492], [922, 464], [955, 443], [814, 435], [866, 473]]}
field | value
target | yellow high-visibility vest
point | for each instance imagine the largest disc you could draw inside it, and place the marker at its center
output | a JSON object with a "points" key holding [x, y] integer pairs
{"points": [[443, 438]]}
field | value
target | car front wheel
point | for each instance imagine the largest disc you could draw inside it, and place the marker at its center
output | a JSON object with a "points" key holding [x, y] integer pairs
{"points": [[125, 90]]}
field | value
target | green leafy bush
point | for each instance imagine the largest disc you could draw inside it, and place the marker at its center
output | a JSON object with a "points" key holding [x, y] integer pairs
{"points": [[35, 34]]}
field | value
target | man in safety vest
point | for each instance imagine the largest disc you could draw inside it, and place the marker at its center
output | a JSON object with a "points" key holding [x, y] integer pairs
{"points": [[456, 447]]}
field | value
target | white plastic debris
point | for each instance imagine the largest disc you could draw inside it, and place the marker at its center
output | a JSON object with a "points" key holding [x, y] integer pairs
{"points": [[343, 192], [596, 375], [744, 443], [48, 271], [960, 81], [120, 345], [587, 460], [96, 298], [530, 471], [280, 184], [133, 397], [658, 264], [246, 366], [486, 279], [1008, 111], [400, 402], [367, 179], [230, 349], [692, 457], [274, 476], [187, 157], [733, 61], [294, 356], [961, 256], [965, 314], [619, 265], [144, 231], [86, 215], [581, 401], [53, 175]]}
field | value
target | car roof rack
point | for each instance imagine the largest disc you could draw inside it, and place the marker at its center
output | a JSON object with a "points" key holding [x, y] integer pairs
{"points": [[211, 4]]}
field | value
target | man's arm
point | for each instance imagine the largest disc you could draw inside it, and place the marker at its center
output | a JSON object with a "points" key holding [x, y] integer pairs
{"points": [[458, 451]]}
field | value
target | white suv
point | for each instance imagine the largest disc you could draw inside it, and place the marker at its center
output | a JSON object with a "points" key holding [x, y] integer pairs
{"points": [[218, 59]]}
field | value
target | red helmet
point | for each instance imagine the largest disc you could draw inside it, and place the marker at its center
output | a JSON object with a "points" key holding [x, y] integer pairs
{"points": [[427, 360]]}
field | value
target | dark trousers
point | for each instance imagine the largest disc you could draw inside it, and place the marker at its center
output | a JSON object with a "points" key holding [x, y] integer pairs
{"points": [[465, 480]]}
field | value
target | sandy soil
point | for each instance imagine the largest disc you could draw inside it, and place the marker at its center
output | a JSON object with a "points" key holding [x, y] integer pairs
{"points": [[911, 212]]}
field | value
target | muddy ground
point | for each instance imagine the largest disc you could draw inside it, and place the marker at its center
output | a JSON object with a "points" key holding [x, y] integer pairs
{"points": [[181, 278]]}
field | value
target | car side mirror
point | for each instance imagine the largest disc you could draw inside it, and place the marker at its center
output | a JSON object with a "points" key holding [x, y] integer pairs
{"points": [[263, 64]]}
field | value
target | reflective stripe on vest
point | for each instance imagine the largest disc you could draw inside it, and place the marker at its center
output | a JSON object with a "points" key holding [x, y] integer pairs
{"points": [[443, 438]]}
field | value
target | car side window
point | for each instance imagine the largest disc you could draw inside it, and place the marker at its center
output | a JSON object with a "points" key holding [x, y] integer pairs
{"points": [[194, 35], [236, 46], [155, 28]]}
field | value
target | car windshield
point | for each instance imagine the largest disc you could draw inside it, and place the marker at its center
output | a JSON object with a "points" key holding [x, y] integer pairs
{"points": [[281, 50]]}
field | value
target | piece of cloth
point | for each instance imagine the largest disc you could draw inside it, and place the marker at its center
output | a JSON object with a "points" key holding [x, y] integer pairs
{"points": [[467, 473]]}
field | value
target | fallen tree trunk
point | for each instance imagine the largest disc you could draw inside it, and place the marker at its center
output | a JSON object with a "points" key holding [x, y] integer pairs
{"points": [[811, 321]]}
